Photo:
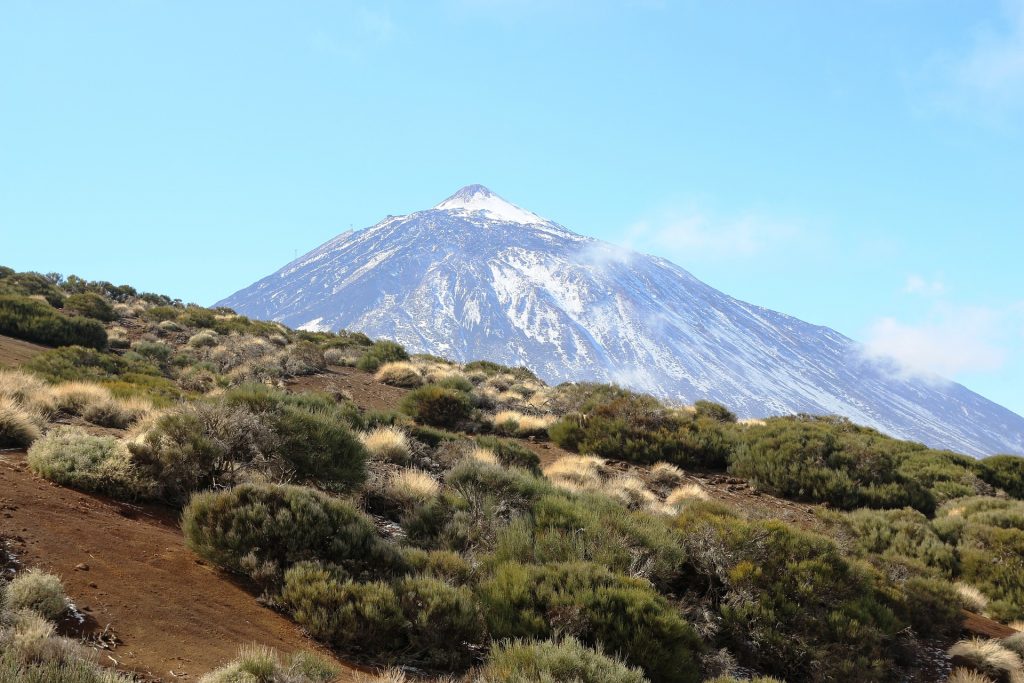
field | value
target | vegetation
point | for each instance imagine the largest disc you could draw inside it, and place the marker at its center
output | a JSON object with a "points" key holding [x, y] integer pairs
{"points": [[37, 321], [612, 564]]}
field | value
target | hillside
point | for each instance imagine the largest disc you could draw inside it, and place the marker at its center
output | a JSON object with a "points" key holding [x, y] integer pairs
{"points": [[411, 511], [477, 277]]}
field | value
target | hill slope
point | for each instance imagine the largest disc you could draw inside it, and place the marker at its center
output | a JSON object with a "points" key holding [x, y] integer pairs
{"points": [[477, 277]]}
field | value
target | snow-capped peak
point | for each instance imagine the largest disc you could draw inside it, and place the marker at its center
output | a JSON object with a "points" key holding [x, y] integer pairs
{"points": [[474, 198]]}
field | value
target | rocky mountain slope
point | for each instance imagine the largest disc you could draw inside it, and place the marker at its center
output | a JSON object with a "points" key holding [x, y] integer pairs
{"points": [[477, 277]]}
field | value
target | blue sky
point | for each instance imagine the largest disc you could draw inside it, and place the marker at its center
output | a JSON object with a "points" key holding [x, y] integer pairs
{"points": [[858, 165]]}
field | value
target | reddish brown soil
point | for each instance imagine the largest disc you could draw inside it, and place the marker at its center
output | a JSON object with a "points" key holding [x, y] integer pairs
{"points": [[360, 386], [176, 618], [15, 351]]}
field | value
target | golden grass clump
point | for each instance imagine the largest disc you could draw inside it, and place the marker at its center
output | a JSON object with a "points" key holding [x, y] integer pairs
{"points": [[962, 675], [970, 597], [484, 455], [24, 387], [119, 413], [399, 374], [412, 487], [1015, 643], [685, 494], [630, 490], [75, 397], [575, 472], [665, 474], [988, 657], [515, 423], [388, 443], [19, 426]]}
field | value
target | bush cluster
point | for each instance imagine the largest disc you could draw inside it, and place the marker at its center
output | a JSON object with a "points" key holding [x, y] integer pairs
{"points": [[100, 464], [437, 405], [381, 352], [36, 321]]}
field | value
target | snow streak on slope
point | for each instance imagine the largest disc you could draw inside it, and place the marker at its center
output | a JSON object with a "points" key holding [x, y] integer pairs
{"points": [[477, 277]]}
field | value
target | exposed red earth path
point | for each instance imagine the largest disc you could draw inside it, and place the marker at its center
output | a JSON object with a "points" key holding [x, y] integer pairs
{"points": [[176, 617]]}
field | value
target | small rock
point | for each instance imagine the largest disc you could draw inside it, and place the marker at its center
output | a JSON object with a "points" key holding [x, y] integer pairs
{"points": [[93, 584], [82, 567]]}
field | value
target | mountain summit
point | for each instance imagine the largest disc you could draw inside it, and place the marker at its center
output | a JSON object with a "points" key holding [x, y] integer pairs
{"points": [[477, 277], [477, 198]]}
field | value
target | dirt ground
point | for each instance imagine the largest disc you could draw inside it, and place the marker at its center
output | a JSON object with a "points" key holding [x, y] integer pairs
{"points": [[127, 567], [359, 386]]}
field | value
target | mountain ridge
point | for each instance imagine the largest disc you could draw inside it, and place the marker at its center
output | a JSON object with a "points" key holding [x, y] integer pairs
{"points": [[479, 277]]}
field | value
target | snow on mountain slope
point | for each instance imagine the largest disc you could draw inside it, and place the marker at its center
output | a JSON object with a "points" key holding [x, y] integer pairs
{"points": [[478, 277]]}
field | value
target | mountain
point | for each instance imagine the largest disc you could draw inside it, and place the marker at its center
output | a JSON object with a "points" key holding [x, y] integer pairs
{"points": [[477, 277]]}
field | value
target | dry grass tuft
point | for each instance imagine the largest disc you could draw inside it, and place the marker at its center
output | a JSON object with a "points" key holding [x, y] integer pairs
{"points": [[629, 490], [575, 472], [988, 657], [1015, 643], [962, 675], [389, 444], [19, 426], [412, 487], [682, 495], [75, 397], [970, 597], [514, 423], [664, 474], [484, 455], [116, 412], [399, 374]]}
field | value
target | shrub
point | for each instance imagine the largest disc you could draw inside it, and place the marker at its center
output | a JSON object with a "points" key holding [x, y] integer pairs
{"points": [[624, 615], [100, 464], [441, 564], [382, 351], [389, 444], [1015, 643], [35, 321], [715, 411], [38, 591], [352, 616], [987, 657], [819, 461], [547, 661], [91, 305], [437, 406], [203, 339], [510, 454], [790, 603], [905, 533], [303, 358], [399, 374], [158, 352], [273, 527], [592, 528], [260, 664], [18, 426], [637, 428], [443, 621], [1005, 472]]}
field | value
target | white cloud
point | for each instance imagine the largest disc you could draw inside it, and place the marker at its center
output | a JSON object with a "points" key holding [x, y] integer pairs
{"points": [[988, 81], [686, 234], [947, 345], [916, 284]]}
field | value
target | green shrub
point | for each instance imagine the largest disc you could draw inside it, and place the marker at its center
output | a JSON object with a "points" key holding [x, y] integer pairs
{"points": [[382, 351], [931, 606], [251, 429], [260, 664], [158, 352], [35, 321], [790, 603], [78, 363], [827, 462], [1005, 472], [437, 406], [90, 305], [626, 616], [594, 528], [442, 621], [100, 464], [440, 564], [510, 453], [714, 411], [637, 428], [355, 617], [38, 591], [547, 661], [901, 533], [261, 530]]}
